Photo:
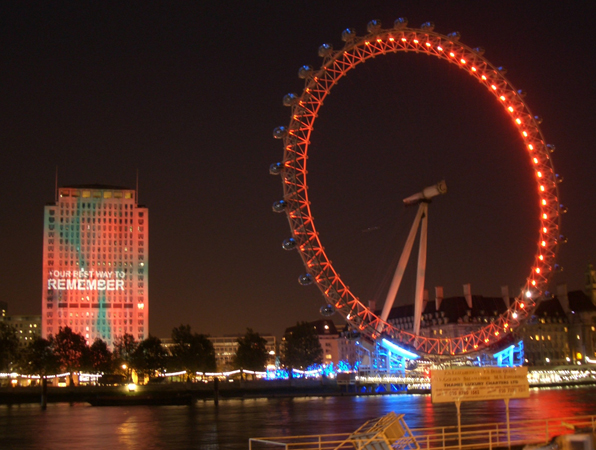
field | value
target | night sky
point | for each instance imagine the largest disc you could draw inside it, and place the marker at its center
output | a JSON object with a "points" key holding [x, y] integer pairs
{"points": [[188, 94]]}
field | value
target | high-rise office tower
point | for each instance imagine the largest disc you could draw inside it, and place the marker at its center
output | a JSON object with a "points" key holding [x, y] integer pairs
{"points": [[95, 263]]}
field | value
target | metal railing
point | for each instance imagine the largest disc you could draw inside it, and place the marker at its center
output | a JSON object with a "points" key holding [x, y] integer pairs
{"points": [[482, 436]]}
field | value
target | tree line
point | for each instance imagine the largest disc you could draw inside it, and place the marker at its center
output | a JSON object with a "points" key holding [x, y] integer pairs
{"points": [[191, 352]]}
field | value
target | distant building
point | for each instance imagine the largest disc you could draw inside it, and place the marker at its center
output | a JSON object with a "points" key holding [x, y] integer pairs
{"points": [[226, 347], [95, 263], [338, 346], [27, 327], [560, 331]]}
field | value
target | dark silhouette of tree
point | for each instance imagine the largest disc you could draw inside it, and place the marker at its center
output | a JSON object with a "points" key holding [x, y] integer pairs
{"points": [[38, 358], [9, 347], [71, 351], [149, 357], [301, 347], [192, 352], [124, 348], [252, 352], [100, 357]]}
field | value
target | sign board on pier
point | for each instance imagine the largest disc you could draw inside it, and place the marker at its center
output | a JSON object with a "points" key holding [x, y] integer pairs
{"points": [[483, 383]]}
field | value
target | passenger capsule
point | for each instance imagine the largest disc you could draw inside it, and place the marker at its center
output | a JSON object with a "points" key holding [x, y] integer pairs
{"points": [[280, 132], [276, 168], [306, 279], [502, 70], [550, 148], [428, 26], [538, 119], [400, 23], [290, 99], [563, 209], [327, 310], [479, 50], [373, 26], [521, 93], [325, 50], [348, 35], [558, 268], [454, 36], [279, 206], [289, 244], [304, 72], [562, 239], [559, 178]]}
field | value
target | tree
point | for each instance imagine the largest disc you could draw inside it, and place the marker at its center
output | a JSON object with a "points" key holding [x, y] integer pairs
{"points": [[71, 350], [9, 347], [38, 358], [301, 347], [149, 357], [252, 352], [124, 348], [100, 357], [192, 352]]}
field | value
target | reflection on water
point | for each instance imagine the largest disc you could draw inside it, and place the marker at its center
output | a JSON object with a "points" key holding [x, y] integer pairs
{"points": [[230, 425]]}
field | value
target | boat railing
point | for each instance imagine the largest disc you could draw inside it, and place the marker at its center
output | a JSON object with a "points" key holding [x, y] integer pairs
{"points": [[480, 436]]}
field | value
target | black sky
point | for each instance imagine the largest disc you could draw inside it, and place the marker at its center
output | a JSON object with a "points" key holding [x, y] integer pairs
{"points": [[188, 94]]}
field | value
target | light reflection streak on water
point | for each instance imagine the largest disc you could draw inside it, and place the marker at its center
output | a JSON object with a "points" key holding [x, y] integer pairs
{"points": [[229, 426]]}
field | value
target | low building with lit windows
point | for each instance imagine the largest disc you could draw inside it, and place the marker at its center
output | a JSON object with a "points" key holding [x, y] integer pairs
{"points": [[225, 348], [27, 327], [95, 263]]}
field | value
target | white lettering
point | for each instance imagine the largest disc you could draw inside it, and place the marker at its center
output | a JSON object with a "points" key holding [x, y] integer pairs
{"points": [[51, 284]]}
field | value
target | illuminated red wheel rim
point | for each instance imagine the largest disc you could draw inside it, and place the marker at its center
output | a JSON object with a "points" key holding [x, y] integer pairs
{"points": [[296, 140]]}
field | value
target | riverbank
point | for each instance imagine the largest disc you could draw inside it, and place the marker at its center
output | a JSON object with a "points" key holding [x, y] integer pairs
{"points": [[164, 393]]}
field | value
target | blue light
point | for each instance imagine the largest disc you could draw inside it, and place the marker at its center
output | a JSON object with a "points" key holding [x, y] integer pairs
{"points": [[396, 349]]}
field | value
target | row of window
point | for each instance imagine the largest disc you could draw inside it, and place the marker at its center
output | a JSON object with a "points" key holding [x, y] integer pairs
{"points": [[96, 194], [108, 314], [94, 205]]}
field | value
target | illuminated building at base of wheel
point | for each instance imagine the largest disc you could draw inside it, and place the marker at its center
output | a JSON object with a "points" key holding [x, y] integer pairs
{"points": [[95, 263]]}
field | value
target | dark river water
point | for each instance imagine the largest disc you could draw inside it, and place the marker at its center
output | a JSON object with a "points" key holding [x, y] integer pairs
{"points": [[66, 426]]}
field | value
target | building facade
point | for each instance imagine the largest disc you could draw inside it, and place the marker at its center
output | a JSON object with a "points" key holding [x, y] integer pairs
{"points": [[225, 348], [96, 263], [28, 328]]}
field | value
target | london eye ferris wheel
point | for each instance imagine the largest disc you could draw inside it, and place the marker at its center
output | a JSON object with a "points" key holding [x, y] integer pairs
{"points": [[296, 138]]}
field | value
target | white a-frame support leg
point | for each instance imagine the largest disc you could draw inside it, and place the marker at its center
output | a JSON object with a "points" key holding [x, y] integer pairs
{"points": [[401, 267]]}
